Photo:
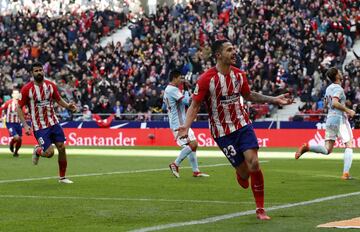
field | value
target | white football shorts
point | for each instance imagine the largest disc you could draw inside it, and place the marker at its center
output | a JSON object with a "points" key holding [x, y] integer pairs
{"points": [[342, 130]]}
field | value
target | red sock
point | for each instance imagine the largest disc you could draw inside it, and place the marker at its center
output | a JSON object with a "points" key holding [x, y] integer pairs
{"points": [[257, 186], [39, 151], [62, 167], [18, 145]]}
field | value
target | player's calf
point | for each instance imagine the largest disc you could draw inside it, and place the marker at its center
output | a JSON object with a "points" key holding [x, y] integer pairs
{"points": [[36, 154], [243, 182]]}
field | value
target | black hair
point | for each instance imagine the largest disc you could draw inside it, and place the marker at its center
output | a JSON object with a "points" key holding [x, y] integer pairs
{"points": [[35, 65], [331, 74], [217, 46], [173, 74]]}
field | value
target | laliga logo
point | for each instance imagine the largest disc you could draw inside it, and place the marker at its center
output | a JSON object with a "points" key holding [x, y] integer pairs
{"points": [[317, 140]]}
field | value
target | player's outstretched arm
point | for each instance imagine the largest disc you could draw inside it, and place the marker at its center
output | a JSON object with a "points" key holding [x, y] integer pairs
{"points": [[191, 115], [283, 99], [70, 106]]}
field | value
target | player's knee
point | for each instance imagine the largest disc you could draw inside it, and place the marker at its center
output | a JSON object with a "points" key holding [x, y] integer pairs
{"points": [[253, 163], [193, 145], [60, 146], [349, 144]]}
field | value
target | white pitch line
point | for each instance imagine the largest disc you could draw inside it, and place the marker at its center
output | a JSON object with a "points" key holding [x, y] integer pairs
{"points": [[106, 173], [112, 173], [124, 199], [243, 213]]}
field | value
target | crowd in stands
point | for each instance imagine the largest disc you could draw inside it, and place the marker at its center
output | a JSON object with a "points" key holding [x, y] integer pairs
{"points": [[282, 45]]}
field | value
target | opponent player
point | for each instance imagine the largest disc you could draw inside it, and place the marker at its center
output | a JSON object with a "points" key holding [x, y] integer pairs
{"points": [[39, 95], [337, 124], [222, 87], [176, 102], [13, 122]]}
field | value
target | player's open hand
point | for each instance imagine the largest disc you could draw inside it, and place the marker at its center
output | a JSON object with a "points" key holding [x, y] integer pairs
{"points": [[182, 132], [72, 107], [284, 99]]}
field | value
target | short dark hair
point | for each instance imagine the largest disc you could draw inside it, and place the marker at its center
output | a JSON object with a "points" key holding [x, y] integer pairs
{"points": [[174, 74], [217, 46], [331, 73], [35, 65]]}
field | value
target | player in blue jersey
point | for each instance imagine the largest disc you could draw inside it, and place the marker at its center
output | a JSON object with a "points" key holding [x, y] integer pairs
{"points": [[337, 123], [176, 102]]}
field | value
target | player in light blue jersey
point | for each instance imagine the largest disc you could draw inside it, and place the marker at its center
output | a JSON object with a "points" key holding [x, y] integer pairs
{"points": [[337, 124], [176, 102]]}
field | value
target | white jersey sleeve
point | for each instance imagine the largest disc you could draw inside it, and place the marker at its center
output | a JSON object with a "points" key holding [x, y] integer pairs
{"points": [[175, 106]]}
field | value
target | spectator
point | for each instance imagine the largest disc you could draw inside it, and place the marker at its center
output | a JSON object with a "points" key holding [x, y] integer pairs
{"points": [[86, 114]]}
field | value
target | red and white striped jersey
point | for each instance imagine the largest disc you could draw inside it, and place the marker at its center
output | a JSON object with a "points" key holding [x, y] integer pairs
{"points": [[9, 107], [222, 94], [40, 101]]}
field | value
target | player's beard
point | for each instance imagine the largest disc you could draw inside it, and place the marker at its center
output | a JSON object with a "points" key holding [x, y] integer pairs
{"points": [[39, 78]]}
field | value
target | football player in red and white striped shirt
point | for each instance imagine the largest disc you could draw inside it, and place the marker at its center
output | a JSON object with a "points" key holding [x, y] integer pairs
{"points": [[222, 87], [39, 96], [9, 108]]}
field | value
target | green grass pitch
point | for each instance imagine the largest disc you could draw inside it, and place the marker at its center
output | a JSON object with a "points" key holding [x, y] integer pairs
{"points": [[126, 193]]}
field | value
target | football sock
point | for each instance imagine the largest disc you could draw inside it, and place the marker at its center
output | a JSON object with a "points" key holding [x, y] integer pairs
{"points": [[257, 186], [183, 153], [40, 152], [193, 162], [62, 168], [348, 155], [318, 149], [18, 145]]}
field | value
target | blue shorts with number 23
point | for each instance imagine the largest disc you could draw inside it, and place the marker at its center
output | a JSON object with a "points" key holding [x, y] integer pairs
{"points": [[233, 145]]}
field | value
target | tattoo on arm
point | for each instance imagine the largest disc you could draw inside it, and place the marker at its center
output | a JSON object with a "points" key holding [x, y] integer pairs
{"points": [[259, 98]]}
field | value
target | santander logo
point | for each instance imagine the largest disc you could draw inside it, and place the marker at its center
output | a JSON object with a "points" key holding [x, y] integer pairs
{"points": [[320, 140]]}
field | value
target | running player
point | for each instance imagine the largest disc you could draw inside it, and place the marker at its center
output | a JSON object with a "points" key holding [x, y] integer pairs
{"points": [[222, 87], [13, 122], [176, 102], [39, 95], [337, 123]]}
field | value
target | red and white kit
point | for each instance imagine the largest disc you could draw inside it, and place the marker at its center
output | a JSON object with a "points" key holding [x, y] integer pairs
{"points": [[39, 101], [11, 113], [222, 94]]}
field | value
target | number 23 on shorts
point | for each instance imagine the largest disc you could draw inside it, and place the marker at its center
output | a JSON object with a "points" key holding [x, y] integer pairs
{"points": [[229, 151]]}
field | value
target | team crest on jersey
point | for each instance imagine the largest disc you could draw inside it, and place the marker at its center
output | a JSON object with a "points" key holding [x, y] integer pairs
{"points": [[196, 90]]}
